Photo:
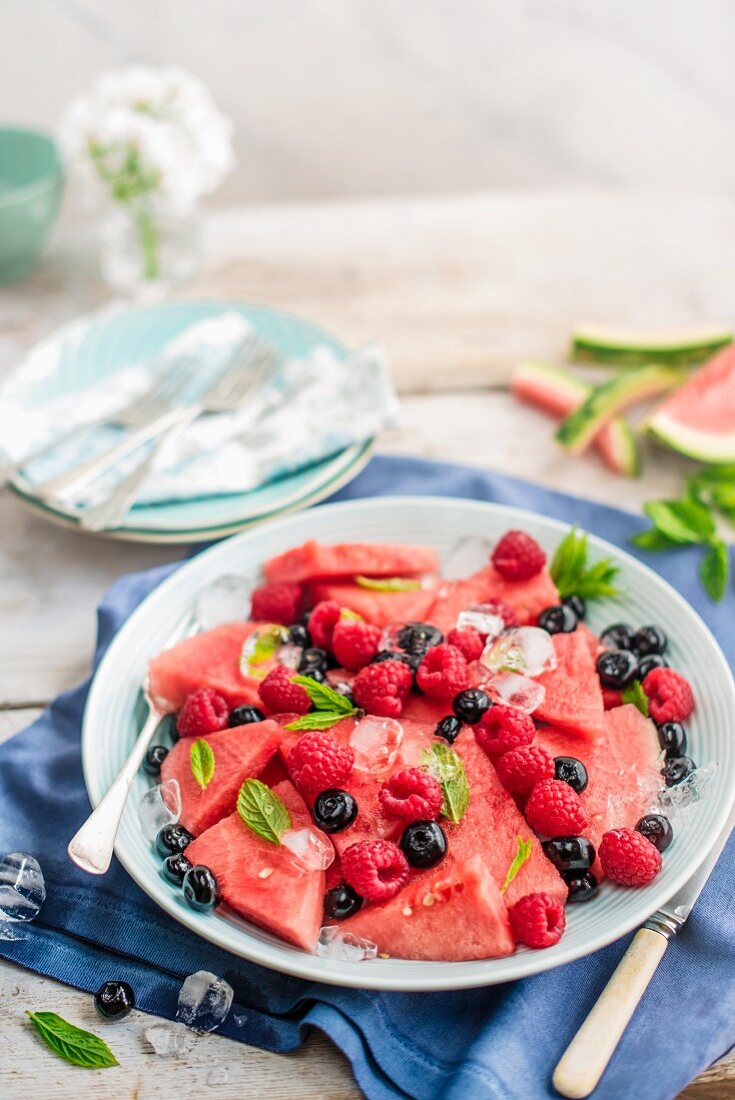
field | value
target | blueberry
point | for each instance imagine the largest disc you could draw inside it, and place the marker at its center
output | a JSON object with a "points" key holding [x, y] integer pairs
{"points": [[313, 657], [618, 636], [560, 619], [334, 810], [649, 639], [114, 1000], [154, 758], [676, 769], [341, 901], [672, 738], [316, 674], [244, 716], [448, 728], [299, 635], [657, 829], [570, 853], [201, 889], [581, 887], [577, 604], [175, 868], [412, 660], [345, 690], [416, 638], [571, 771], [617, 668], [173, 838], [648, 663], [423, 843], [470, 705]]}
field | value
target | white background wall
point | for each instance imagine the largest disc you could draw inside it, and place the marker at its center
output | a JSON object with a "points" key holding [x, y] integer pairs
{"points": [[338, 97]]}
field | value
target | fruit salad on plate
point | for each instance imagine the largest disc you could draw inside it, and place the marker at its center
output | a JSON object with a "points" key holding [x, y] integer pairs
{"points": [[387, 761]]}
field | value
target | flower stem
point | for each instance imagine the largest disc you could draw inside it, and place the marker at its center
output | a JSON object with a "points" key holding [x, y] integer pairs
{"points": [[149, 243]]}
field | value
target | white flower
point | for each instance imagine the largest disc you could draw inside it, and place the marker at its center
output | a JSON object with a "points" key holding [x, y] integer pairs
{"points": [[151, 132]]}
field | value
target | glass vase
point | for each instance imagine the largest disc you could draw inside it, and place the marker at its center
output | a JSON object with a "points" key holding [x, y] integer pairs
{"points": [[146, 251]]}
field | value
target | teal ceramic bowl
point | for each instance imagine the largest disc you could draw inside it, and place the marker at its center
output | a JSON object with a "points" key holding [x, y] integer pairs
{"points": [[31, 183]]}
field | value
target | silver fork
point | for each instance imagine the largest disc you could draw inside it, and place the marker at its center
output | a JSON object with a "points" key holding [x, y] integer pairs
{"points": [[241, 381]]}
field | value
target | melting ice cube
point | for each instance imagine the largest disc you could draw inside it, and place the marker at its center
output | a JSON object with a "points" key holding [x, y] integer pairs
{"points": [[517, 691], [524, 649], [169, 1041], [467, 556], [375, 743], [310, 850], [22, 888], [204, 1001], [263, 648], [333, 943], [226, 600], [159, 806], [676, 802], [483, 618]]}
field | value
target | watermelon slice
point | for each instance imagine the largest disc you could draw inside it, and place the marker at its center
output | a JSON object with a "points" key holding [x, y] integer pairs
{"points": [[239, 754], [623, 767], [314, 562], [526, 598], [627, 347], [451, 913], [209, 660], [380, 608], [699, 419], [287, 902], [573, 697]]}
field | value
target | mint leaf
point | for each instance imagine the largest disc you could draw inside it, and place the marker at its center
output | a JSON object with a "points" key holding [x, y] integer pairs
{"points": [[682, 521], [319, 720], [635, 694], [323, 696], [263, 811], [522, 856], [201, 760], [387, 584], [572, 576], [447, 767], [714, 570], [653, 540], [78, 1047]]}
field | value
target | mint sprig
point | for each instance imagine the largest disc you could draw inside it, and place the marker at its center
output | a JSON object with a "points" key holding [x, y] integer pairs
{"points": [[263, 811], [447, 767], [201, 761], [521, 857], [318, 720], [574, 577], [73, 1044], [635, 694], [323, 696], [388, 584]]}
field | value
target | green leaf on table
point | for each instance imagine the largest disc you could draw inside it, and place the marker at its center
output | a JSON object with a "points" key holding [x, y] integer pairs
{"points": [[78, 1047], [635, 694], [319, 719], [522, 856], [571, 574], [681, 521], [323, 696], [263, 811], [201, 759], [447, 767], [388, 584], [653, 540], [714, 570]]}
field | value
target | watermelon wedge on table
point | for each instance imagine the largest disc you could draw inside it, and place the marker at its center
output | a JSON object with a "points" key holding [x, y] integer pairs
{"points": [[527, 598], [208, 660], [573, 699], [288, 901], [313, 561], [380, 608], [699, 419]]}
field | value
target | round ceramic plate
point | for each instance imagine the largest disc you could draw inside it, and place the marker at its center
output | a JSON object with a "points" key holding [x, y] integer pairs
{"points": [[110, 728], [114, 341]]}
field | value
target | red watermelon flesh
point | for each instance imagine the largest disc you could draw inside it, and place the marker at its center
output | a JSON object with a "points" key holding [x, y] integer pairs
{"points": [[208, 660], [451, 913], [289, 901], [527, 598], [239, 754], [314, 562], [380, 608], [623, 767], [573, 699]]}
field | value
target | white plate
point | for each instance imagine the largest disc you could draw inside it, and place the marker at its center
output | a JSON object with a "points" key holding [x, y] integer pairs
{"points": [[110, 726]]}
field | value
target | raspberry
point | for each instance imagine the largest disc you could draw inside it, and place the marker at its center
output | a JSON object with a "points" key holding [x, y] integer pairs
{"points": [[538, 920], [670, 697], [322, 622], [276, 603], [355, 643], [504, 728], [628, 857], [413, 794], [518, 557], [468, 641], [318, 761], [380, 689], [443, 672], [280, 696], [376, 869], [521, 769], [204, 711], [555, 809]]}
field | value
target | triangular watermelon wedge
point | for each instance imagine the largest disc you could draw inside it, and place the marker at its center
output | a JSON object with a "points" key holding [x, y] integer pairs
{"points": [[380, 608], [312, 561], [573, 699], [527, 598], [239, 754], [287, 901], [212, 660], [699, 418]]}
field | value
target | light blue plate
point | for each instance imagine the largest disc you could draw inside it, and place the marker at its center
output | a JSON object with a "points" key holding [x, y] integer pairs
{"points": [[112, 343]]}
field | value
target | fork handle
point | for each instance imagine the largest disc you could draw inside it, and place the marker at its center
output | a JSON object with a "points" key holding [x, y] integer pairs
{"points": [[586, 1058]]}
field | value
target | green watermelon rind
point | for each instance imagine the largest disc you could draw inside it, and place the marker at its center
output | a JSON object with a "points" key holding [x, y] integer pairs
{"points": [[629, 349], [715, 448]]}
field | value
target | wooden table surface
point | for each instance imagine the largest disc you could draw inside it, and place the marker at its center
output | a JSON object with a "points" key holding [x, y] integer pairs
{"points": [[458, 289]]}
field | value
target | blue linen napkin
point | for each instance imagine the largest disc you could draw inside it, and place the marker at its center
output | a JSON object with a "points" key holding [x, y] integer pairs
{"points": [[499, 1043]]}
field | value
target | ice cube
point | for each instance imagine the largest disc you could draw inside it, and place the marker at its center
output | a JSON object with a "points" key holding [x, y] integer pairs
{"points": [[517, 691], [226, 600], [262, 649], [169, 1040], [524, 649], [204, 1001], [676, 802], [483, 618], [310, 850], [333, 943], [375, 743], [220, 1075], [289, 655], [159, 806], [470, 553], [22, 889]]}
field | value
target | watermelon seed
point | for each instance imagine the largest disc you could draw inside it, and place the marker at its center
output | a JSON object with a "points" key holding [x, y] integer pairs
{"points": [[429, 899], [265, 873], [407, 911]]}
